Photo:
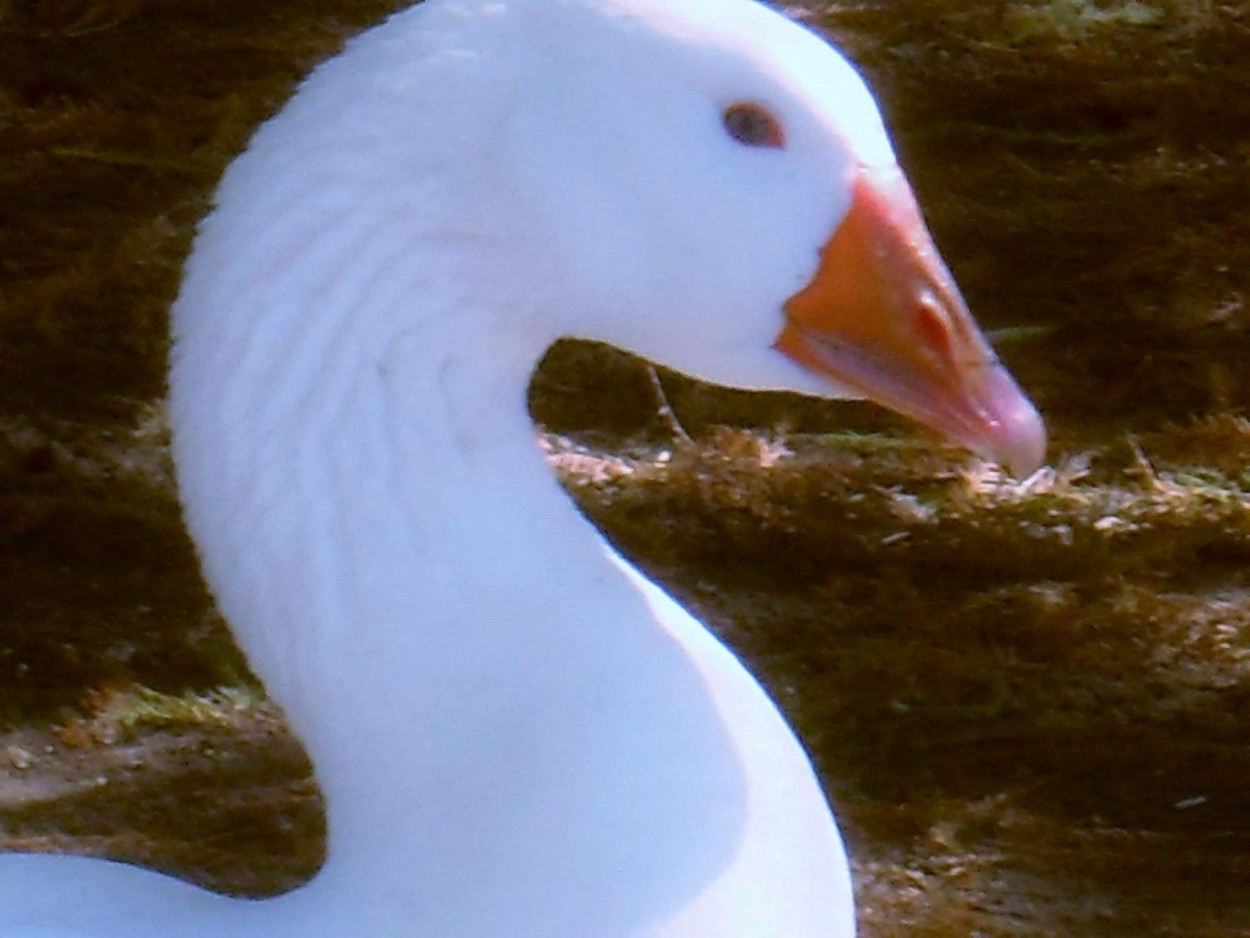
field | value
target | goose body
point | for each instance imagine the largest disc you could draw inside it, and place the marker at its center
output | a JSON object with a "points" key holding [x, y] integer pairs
{"points": [[516, 733]]}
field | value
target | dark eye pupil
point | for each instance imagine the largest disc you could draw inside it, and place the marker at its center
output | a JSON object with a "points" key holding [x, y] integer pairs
{"points": [[753, 126]]}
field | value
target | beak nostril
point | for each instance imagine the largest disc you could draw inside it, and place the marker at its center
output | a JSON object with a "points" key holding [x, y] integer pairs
{"points": [[933, 329]]}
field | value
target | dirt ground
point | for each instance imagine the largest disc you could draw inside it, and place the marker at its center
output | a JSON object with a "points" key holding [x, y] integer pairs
{"points": [[1029, 702]]}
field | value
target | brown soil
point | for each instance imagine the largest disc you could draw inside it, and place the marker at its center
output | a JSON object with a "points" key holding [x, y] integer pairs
{"points": [[1028, 702]]}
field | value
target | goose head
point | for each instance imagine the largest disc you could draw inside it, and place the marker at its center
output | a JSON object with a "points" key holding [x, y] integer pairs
{"points": [[715, 190], [706, 184]]}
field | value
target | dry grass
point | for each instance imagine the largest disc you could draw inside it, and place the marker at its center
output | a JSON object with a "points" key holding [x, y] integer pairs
{"points": [[1029, 701]]}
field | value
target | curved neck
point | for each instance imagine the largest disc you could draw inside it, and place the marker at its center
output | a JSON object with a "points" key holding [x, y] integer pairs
{"points": [[469, 670], [422, 525], [471, 674], [434, 600]]}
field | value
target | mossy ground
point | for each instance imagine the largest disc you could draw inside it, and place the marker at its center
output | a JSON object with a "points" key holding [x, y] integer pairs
{"points": [[1029, 702]]}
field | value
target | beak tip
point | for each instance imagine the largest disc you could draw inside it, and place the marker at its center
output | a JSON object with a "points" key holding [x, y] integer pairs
{"points": [[1018, 440]]}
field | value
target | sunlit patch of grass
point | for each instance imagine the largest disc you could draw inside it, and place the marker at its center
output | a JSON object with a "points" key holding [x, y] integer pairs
{"points": [[135, 158], [112, 713], [1078, 19], [1015, 335], [866, 443], [865, 500]]}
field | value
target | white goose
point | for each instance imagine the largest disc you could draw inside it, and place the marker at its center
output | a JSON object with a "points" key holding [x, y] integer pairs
{"points": [[516, 733]]}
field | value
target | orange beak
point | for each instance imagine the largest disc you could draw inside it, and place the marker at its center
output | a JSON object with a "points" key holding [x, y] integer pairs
{"points": [[883, 317]]}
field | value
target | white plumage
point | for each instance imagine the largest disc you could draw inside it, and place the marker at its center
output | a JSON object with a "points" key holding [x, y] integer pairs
{"points": [[516, 733]]}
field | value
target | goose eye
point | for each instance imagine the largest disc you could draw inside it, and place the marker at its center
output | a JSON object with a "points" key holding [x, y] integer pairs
{"points": [[753, 125]]}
